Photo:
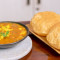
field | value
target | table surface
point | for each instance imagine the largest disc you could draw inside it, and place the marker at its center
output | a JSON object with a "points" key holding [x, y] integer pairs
{"points": [[40, 51]]}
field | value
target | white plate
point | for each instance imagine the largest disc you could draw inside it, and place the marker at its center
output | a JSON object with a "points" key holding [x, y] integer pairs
{"points": [[18, 51]]}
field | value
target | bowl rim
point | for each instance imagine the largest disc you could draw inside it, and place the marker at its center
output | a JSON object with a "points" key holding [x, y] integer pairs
{"points": [[19, 24]]}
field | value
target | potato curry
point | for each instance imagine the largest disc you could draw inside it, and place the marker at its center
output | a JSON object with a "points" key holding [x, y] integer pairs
{"points": [[11, 32]]}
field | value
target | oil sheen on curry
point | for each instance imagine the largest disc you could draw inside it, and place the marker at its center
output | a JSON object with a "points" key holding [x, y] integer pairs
{"points": [[11, 32]]}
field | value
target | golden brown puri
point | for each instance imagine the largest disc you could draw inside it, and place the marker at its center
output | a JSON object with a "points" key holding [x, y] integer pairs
{"points": [[54, 36], [43, 21]]}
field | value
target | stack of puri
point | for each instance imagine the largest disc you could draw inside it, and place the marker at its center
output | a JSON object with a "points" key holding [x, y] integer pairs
{"points": [[47, 24]]}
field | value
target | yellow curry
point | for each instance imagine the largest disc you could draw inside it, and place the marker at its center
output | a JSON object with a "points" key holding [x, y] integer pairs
{"points": [[11, 32]]}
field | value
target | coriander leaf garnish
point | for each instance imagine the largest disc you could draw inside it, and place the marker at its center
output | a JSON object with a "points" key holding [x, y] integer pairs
{"points": [[7, 33], [4, 34]]}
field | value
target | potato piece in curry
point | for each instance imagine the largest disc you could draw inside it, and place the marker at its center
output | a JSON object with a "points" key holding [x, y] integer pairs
{"points": [[11, 32]]}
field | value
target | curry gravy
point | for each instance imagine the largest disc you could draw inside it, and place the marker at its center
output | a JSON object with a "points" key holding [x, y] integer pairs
{"points": [[11, 32]]}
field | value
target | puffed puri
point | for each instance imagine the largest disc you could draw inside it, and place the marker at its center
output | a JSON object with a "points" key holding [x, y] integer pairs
{"points": [[43, 21], [53, 37]]}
